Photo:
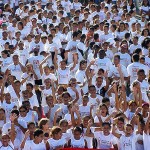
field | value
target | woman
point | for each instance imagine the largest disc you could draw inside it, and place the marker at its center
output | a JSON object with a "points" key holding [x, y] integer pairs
{"points": [[146, 46], [44, 125], [145, 8], [145, 33], [121, 31]]}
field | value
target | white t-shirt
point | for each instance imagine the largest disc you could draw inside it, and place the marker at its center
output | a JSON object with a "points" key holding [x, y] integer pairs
{"points": [[133, 68], [20, 134], [8, 108], [128, 143], [5, 63], [133, 47], [147, 61], [30, 145], [84, 110], [77, 143], [69, 46], [146, 141], [125, 59], [104, 63], [56, 143], [35, 61], [63, 76], [105, 142], [9, 147], [114, 71], [15, 71]]}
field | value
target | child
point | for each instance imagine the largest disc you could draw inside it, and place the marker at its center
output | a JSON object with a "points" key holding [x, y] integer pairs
{"points": [[36, 143], [77, 141], [56, 142]]}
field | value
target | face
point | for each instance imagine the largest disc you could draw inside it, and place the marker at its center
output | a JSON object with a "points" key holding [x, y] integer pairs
{"points": [[66, 98], [141, 76], [77, 135], [4, 55], [29, 88], [7, 97], [106, 129], [64, 127], [2, 114], [83, 66], [50, 101], [32, 128], [63, 65], [39, 138], [99, 81], [145, 108], [92, 90], [103, 110], [73, 82], [58, 135], [128, 130], [15, 59], [5, 140], [133, 107], [116, 60], [46, 70], [46, 126], [47, 82], [120, 124], [23, 112]]}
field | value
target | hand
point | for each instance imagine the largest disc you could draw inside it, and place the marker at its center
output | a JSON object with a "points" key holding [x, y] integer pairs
{"points": [[98, 113], [114, 113], [115, 87], [92, 62], [119, 68], [27, 134], [138, 110], [73, 109], [90, 122], [58, 110]]}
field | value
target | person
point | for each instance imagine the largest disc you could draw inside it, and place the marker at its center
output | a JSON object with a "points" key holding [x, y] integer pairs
{"points": [[36, 143], [77, 141], [56, 141], [20, 125]]}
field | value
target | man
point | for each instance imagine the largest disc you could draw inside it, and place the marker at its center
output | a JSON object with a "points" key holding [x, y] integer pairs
{"points": [[133, 68], [125, 58], [16, 69], [114, 73]]}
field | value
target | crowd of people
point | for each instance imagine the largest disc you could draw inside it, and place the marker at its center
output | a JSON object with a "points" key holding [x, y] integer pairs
{"points": [[74, 74]]}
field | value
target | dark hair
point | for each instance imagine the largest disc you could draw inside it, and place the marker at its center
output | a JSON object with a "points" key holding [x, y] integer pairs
{"points": [[38, 132], [14, 111], [65, 93], [104, 105], [145, 42], [105, 99], [106, 124], [42, 122], [135, 57], [24, 107], [121, 119], [30, 123], [137, 51], [141, 71], [130, 125], [30, 84], [77, 129], [75, 34]]}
